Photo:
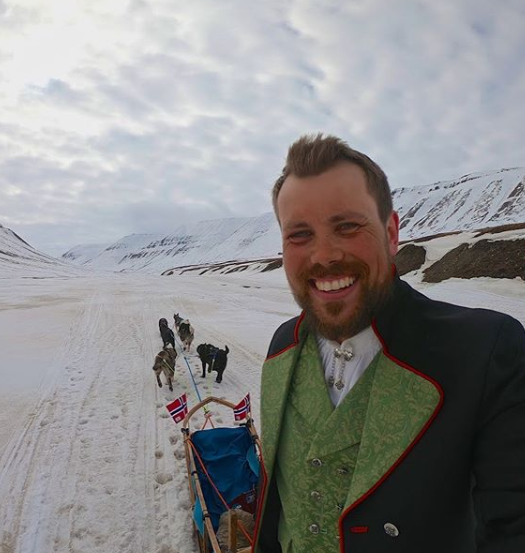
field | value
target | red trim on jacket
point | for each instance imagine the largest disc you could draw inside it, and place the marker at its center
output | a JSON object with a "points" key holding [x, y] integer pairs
{"points": [[264, 488], [260, 500], [297, 325], [295, 336], [407, 450]]}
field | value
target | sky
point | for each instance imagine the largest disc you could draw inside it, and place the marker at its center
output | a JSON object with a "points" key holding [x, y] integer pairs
{"points": [[137, 116]]}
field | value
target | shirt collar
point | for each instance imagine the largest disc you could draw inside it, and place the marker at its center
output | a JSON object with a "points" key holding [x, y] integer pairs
{"points": [[360, 344]]}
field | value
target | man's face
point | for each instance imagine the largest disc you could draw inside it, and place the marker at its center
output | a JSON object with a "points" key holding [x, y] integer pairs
{"points": [[337, 252]]}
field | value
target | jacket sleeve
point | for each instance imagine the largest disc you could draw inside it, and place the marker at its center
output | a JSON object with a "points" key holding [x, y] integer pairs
{"points": [[499, 454]]}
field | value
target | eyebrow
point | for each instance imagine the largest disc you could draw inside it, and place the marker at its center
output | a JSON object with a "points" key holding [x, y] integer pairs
{"points": [[295, 226], [334, 219], [346, 215]]}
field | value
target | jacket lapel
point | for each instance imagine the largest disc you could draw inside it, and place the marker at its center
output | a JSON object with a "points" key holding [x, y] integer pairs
{"points": [[401, 406], [310, 401], [275, 384]]}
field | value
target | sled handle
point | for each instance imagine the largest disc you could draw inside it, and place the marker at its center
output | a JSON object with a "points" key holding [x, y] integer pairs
{"points": [[203, 403]]}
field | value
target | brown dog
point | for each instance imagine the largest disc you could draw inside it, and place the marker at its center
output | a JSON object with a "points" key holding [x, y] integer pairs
{"points": [[186, 334], [165, 362]]}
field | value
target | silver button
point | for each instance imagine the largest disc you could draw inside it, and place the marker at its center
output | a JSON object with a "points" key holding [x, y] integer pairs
{"points": [[342, 471], [316, 462], [315, 495], [391, 530], [314, 528]]}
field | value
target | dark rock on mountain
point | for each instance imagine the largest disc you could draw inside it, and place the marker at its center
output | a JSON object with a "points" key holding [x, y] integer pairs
{"points": [[410, 258], [485, 258]]}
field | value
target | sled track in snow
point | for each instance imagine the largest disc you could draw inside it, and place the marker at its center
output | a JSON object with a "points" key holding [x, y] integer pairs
{"points": [[100, 419], [38, 447]]}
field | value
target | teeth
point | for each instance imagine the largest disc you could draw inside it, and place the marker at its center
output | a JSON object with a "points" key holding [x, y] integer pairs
{"points": [[327, 286]]}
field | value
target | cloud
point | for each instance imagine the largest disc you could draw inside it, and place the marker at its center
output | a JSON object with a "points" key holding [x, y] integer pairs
{"points": [[115, 115]]}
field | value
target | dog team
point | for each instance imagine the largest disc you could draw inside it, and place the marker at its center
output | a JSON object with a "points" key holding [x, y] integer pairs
{"points": [[212, 357]]}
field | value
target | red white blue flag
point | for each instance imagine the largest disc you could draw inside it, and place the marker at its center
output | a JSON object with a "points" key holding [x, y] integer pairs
{"points": [[178, 409], [240, 411]]}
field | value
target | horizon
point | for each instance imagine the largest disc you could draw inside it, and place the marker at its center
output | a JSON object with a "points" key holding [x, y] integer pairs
{"points": [[400, 205]]}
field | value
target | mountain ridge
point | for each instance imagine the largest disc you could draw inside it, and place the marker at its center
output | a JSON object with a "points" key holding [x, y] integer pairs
{"points": [[473, 201], [18, 258]]}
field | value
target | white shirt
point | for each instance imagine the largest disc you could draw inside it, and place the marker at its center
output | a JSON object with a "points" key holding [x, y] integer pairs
{"points": [[364, 346]]}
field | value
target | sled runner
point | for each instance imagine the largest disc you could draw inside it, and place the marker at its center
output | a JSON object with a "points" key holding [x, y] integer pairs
{"points": [[223, 472]]}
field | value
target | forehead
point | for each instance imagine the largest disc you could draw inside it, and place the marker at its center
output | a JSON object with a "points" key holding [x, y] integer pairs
{"points": [[341, 189]]}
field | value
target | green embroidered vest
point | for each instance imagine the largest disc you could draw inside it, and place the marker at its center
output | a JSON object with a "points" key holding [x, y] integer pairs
{"points": [[317, 454], [400, 406]]}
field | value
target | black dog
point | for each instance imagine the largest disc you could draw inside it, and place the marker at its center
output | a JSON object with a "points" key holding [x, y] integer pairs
{"points": [[167, 334], [214, 358]]}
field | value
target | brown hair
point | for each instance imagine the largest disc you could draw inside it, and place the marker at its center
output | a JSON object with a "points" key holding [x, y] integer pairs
{"points": [[313, 154]]}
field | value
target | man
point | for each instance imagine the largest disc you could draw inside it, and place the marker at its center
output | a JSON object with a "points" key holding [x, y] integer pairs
{"points": [[390, 422]]}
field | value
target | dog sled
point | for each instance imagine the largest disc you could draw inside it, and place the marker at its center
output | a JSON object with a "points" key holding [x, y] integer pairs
{"points": [[223, 473]]}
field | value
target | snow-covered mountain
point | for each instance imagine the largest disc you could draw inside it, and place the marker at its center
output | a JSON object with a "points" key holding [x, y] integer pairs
{"points": [[471, 202], [200, 242], [119, 256], [18, 258], [80, 254]]}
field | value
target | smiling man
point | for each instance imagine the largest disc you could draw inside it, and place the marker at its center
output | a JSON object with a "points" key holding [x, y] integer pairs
{"points": [[390, 422], [337, 250]]}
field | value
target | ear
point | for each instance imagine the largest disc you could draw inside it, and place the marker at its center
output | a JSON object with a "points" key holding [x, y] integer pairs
{"points": [[392, 233]]}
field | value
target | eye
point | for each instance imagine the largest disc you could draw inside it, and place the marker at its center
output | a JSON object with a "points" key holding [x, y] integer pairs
{"points": [[348, 227], [299, 236]]}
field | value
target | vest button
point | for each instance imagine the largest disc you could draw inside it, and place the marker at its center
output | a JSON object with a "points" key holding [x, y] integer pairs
{"points": [[391, 530], [316, 462], [342, 471], [314, 528], [315, 495]]}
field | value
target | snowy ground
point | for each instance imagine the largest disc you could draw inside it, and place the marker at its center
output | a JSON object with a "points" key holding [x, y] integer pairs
{"points": [[89, 459]]}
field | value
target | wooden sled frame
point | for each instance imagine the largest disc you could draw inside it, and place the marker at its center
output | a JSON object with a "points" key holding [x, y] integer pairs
{"points": [[209, 538]]}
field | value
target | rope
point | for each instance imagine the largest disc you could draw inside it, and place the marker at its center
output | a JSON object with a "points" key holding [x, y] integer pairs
{"points": [[171, 369], [207, 416], [228, 508], [205, 408], [193, 379]]}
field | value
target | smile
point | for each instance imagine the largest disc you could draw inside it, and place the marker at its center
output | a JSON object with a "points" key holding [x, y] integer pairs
{"points": [[334, 284]]}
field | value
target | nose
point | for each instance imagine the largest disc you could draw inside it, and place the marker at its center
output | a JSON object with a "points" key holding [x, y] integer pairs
{"points": [[325, 251]]}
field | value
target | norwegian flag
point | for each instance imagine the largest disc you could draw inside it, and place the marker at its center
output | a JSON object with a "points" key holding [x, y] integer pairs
{"points": [[178, 409], [241, 410]]}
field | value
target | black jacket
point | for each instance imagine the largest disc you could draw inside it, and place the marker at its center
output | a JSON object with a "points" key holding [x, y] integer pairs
{"points": [[461, 487]]}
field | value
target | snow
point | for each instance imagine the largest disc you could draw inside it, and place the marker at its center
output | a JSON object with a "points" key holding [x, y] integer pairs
{"points": [[89, 459], [83, 253], [472, 202], [19, 259], [200, 242]]}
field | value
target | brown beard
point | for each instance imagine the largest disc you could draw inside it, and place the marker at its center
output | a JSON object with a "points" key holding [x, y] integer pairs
{"points": [[372, 299]]}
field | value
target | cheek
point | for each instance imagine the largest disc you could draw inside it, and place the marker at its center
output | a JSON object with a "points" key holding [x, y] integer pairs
{"points": [[292, 261], [291, 273]]}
